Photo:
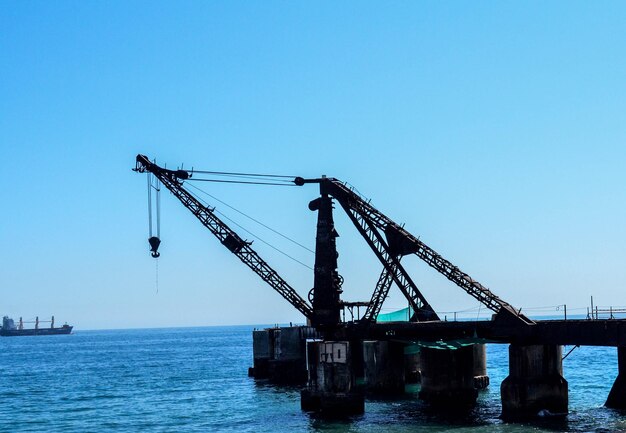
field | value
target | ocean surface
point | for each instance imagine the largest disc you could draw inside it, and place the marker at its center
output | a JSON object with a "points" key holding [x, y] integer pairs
{"points": [[195, 380]]}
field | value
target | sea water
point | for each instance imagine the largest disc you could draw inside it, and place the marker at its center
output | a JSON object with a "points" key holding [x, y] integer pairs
{"points": [[195, 380]]}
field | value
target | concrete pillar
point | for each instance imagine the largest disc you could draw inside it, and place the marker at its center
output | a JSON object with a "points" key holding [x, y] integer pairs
{"points": [[262, 352], [481, 380], [448, 376], [383, 367], [288, 363], [331, 389], [617, 396], [280, 354], [412, 364], [535, 383]]}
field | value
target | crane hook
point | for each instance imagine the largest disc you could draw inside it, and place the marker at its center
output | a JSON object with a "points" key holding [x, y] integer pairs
{"points": [[154, 246], [154, 241]]}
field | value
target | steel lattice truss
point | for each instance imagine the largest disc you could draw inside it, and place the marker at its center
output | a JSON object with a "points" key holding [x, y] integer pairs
{"points": [[392, 270], [388, 240], [380, 294], [371, 222]]}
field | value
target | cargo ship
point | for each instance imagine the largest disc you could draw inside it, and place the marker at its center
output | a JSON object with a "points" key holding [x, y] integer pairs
{"points": [[10, 329]]}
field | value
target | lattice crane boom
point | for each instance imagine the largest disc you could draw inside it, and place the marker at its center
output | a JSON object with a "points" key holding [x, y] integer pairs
{"points": [[422, 310], [173, 181], [400, 242]]}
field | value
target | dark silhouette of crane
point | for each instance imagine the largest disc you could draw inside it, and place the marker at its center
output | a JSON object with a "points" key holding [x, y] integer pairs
{"points": [[173, 181], [388, 240]]}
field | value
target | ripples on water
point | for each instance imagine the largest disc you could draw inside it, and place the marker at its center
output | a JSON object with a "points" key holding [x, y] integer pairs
{"points": [[195, 380]]}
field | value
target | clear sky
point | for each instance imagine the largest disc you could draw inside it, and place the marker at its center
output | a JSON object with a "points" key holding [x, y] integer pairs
{"points": [[496, 131]]}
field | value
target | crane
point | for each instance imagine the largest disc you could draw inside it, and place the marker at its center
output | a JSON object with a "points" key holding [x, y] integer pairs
{"points": [[174, 180], [389, 242]]}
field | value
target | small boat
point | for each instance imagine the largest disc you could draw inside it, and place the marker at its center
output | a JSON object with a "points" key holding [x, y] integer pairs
{"points": [[10, 329]]}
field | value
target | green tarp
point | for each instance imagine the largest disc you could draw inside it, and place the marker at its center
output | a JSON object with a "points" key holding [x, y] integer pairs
{"points": [[396, 316], [405, 314]]}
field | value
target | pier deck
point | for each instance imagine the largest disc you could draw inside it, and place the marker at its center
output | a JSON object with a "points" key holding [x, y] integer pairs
{"points": [[583, 332]]}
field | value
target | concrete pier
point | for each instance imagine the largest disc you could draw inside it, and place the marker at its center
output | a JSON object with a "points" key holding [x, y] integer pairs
{"points": [[535, 384], [331, 388], [447, 375], [262, 352], [481, 379], [383, 367], [617, 396], [279, 354], [412, 364]]}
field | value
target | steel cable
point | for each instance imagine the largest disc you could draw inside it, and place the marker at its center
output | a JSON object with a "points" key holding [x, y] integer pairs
{"points": [[255, 220], [252, 234]]}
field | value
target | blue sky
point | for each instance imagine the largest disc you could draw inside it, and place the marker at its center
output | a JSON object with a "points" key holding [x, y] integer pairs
{"points": [[496, 131]]}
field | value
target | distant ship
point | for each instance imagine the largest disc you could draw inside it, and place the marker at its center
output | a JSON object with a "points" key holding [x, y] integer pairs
{"points": [[9, 329]]}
